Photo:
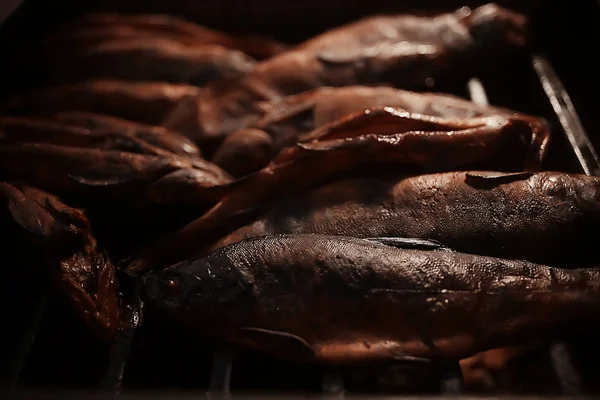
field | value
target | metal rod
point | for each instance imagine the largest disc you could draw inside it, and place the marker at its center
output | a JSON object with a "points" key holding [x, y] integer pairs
{"points": [[452, 379], [565, 111], [119, 353], [567, 374], [559, 354], [590, 164], [477, 92], [121, 345], [220, 377], [24, 348], [333, 384]]}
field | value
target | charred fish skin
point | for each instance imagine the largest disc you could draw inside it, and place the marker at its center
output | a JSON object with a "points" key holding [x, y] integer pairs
{"points": [[546, 217], [343, 300]]}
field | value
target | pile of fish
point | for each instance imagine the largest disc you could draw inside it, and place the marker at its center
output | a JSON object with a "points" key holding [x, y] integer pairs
{"points": [[310, 201]]}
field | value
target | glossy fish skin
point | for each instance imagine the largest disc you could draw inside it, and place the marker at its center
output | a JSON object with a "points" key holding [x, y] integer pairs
{"points": [[103, 25], [374, 141], [401, 50], [155, 135], [45, 131], [145, 102], [548, 218], [117, 175], [330, 298], [64, 239], [149, 59], [288, 119]]}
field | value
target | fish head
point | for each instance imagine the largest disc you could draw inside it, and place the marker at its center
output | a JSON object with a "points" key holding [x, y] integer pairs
{"points": [[578, 191], [200, 291], [492, 24], [166, 289]]}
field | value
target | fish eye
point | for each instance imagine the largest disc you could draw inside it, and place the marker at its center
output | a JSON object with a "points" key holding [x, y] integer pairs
{"points": [[170, 286], [554, 187]]}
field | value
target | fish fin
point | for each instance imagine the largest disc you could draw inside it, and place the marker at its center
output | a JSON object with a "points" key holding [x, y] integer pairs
{"points": [[103, 176], [26, 217], [278, 343], [409, 243], [497, 178]]}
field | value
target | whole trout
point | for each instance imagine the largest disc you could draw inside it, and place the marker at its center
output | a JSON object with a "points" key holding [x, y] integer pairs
{"points": [[344, 300], [46, 131], [155, 135], [547, 217], [100, 175], [287, 120], [131, 26], [147, 59], [145, 102]]}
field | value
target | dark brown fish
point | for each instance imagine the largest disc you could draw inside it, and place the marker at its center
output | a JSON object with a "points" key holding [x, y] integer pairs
{"points": [[342, 300], [155, 135], [288, 119], [128, 177], [36, 130], [108, 25], [145, 102], [63, 240], [547, 218], [379, 139], [147, 59], [401, 50]]}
